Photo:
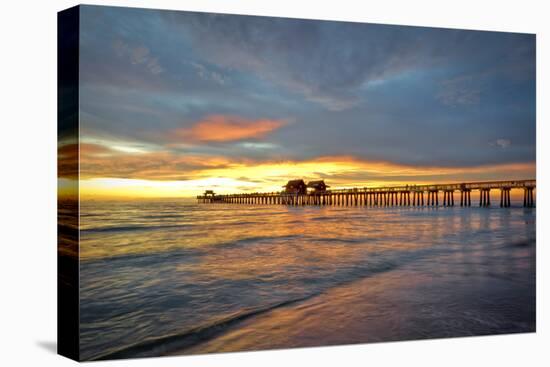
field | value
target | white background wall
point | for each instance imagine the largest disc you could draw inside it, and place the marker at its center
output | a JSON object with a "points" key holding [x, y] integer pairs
{"points": [[28, 182]]}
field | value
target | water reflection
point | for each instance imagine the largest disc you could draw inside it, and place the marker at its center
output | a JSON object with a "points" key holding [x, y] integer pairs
{"points": [[157, 269]]}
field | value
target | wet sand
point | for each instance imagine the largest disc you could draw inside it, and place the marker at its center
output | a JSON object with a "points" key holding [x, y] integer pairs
{"points": [[387, 307]]}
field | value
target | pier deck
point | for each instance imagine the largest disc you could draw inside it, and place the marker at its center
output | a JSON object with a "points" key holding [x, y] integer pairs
{"points": [[406, 195]]}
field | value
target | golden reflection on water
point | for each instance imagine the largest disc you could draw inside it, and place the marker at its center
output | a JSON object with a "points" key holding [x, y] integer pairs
{"points": [[409, 303], [294, 234], [362, 274], [282, 243]]}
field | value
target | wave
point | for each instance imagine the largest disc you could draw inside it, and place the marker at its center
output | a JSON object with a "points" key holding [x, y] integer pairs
{"points": [[249, 240], [179, 251], [131, 228], [195, 336], [161, 216], [137, 258], [338, 240], [520, 244], [64, 227], [192, 337], [85, 215], [325, 218], [181, 341]]}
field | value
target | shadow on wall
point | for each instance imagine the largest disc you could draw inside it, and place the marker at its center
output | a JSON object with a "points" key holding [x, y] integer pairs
{"points": [[48, 345]]}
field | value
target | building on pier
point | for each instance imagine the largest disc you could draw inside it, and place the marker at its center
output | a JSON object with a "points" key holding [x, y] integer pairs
{"points": [[209, 193], [295, 187], [317, 186]]}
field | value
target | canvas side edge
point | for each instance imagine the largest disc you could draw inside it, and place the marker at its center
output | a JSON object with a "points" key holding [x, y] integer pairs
{"points": [[68, 34]]}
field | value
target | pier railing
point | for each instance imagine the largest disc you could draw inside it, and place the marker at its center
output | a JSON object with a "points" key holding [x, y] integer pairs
{"points": [[403, 195]]}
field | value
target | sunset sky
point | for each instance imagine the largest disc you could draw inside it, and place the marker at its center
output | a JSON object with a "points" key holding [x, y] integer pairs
{"points": [[173, 103]]}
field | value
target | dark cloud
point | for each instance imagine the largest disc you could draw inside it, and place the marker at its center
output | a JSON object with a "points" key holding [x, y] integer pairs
{"points": [[324, 61], [459, 91], [410, 95], [328, 62]]}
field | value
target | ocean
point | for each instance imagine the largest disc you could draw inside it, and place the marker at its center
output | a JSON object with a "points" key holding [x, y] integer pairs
{"points": [[175, 277]]}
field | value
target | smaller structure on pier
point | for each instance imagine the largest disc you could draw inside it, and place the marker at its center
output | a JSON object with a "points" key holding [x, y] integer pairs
{"points": [[295, 187], [210, 196], [317, 186]]}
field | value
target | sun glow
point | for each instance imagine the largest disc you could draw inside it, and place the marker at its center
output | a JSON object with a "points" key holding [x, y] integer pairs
{"points": [[338, 172], [135, 188]]}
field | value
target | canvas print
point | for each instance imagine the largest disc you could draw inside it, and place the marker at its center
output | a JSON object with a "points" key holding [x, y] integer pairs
{"points": [[232, 183]]}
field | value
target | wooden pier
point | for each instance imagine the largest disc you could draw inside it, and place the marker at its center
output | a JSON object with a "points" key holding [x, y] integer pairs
{"points": [[296, 193]]}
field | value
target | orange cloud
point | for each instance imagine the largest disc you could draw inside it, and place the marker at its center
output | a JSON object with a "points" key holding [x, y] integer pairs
{"points": [[68, 157], [108, 172], [67, 161], [95, 149], [160, 166], [218, 128]]}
